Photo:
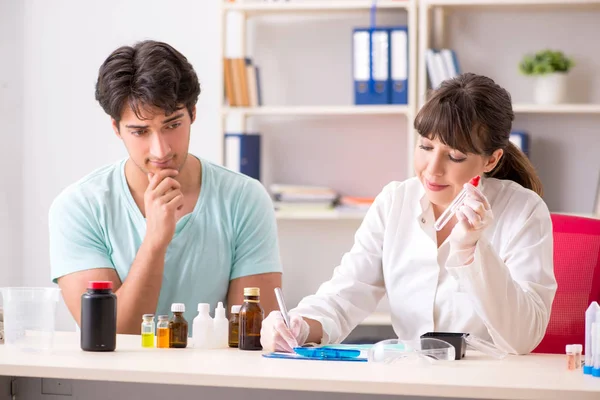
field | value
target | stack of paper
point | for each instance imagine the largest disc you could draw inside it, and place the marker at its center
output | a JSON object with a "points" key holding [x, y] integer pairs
{"points": [[303, 198]]}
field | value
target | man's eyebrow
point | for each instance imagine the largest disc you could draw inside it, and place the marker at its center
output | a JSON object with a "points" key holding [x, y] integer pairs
{"points": [[173, 118], [136, 126], [166, 121]]}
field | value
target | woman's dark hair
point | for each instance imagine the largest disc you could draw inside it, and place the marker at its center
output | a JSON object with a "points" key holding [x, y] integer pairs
{"points": [[472, 114], [148, 74]]}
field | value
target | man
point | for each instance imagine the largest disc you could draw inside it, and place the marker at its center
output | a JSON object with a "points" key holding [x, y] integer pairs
{"points": [[163, 225]]}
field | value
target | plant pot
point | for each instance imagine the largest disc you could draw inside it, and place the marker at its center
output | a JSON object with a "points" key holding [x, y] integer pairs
{"points": [[550, 88]]}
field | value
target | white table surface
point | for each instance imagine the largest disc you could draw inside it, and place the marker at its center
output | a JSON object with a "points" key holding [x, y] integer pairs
{"points": [[476, 376]]}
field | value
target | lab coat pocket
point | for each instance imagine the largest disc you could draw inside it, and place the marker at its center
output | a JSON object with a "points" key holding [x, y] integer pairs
{"points": [[463, 313]]}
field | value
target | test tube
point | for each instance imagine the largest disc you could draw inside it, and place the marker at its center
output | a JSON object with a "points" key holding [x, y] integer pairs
{"points": [[453, 207]]}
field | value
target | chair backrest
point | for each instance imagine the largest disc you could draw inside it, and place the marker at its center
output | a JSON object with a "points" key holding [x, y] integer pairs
{"points": [[577, 271]]}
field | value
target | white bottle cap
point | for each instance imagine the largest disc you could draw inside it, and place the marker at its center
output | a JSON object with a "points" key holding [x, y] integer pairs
{"points": [[577, 348], [203, 308], [220, 310], [177, 307], [235, 309], [569, 348]]}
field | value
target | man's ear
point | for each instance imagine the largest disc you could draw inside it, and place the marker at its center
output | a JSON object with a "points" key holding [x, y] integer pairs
{"points": [[115, 126], [493, 160], [193, 116]]}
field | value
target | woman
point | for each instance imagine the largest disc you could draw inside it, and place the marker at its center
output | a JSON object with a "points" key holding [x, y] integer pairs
{"points": [[488, 272]]}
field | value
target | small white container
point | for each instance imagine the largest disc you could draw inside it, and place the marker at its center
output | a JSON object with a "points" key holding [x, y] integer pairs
{"points": [[202, 335], [221, 328]]}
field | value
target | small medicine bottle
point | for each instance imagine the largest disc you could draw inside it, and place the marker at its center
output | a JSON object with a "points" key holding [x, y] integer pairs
{"points": [[234, 326], [574, 356], [251, 317], [178, 327], [162, 332], [148, 330], [99, 317]]}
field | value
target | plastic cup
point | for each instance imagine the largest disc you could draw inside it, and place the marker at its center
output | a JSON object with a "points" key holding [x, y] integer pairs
{"points": [[29, 317]]}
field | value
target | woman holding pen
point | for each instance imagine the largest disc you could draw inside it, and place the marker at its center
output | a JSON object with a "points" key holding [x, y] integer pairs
{"points": [[488, 271]]}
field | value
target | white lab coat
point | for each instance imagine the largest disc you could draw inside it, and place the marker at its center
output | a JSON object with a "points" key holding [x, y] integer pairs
{"points": [[504, 295]]}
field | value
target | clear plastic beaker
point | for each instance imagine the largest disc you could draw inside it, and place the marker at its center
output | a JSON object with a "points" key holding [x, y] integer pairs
{"points": [[29, 316]]}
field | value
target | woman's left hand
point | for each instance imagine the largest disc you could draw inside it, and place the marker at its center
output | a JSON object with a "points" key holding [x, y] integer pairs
{"points": [[473, 217]]}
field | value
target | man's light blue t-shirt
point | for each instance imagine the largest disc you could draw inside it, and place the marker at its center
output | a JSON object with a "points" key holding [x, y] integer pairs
{"points": [[231, 233]]}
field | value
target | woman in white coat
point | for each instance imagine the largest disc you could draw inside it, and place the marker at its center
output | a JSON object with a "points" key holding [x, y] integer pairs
{"points": [[488, 272]]}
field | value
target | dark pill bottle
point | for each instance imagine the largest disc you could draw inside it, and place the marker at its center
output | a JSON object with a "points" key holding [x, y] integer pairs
{"points": [[99, 317]]}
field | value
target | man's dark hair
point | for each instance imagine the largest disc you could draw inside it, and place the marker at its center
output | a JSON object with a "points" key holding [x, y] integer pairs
{"points": [[148, 74]]}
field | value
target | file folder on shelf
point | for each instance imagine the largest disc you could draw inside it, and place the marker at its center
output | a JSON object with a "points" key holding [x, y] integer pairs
{"points": [[521, 140], [399, 65], [242, 153], [371, 53]]}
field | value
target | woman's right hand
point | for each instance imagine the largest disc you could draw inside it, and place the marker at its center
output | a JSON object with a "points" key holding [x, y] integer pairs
{"points": [[275, 336]]}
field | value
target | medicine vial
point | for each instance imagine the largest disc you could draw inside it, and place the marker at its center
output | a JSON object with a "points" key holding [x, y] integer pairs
{"points": [[251, 317]]}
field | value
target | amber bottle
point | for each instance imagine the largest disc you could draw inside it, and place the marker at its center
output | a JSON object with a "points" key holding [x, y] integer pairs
{"points": [[178, 327], [251, 317]]}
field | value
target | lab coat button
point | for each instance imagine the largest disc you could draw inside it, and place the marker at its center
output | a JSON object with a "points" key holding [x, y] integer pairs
{"points": [[423, 220]]}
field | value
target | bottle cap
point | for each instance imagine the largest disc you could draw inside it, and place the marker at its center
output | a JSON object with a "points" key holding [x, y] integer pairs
{"points": [[475, 181], [163, 317], [569, 348], [177, 307], [100, 285], [220, 310], [577, 348], [203, 308], [148, 316], [251, 291], [236, 309]]}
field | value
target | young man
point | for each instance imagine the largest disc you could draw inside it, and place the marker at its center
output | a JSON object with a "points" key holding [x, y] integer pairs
{"points": [[163, 225]]}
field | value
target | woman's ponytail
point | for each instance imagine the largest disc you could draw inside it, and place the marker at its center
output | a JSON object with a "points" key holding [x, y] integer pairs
{"points": [[515, 166]]}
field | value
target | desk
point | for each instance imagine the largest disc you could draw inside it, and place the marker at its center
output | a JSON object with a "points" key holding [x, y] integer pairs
{"points": [[516, 377]]}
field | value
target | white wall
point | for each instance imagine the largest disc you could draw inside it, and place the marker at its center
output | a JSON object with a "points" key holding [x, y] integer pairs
{"points": [[11, 160]]}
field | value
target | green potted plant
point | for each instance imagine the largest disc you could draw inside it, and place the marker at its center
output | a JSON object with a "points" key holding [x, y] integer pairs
{"points": [[550, 68]]}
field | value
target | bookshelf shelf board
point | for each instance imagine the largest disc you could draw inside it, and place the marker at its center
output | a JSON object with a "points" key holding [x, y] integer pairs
{"points": [[319, 110], [320, 215], [513, 3], [314, 6], [557, 108]]}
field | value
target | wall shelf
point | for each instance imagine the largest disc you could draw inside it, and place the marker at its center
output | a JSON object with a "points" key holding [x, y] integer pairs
{"points": [[318, 110], [320, 215], [557, 108], [377, 319], [314, 6], [511, 3]]}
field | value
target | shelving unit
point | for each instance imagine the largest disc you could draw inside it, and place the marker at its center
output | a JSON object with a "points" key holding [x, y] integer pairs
{"points": [[320, 8]]}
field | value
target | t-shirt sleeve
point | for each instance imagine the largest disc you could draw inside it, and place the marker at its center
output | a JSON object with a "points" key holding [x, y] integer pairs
{"points": [[256, 249], [76, 239]]}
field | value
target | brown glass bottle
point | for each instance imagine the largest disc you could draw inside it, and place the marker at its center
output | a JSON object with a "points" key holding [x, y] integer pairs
{"points": [[251, 317], [234, 326], [178, 327]]}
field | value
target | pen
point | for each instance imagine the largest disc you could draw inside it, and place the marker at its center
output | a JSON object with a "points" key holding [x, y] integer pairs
{"points": [[282, 307]]}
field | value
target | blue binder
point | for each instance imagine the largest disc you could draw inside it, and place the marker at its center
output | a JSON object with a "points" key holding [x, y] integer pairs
{"points": [[242, 153], [371, 52], [521, 140], [361, 47], [399, 65]]}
